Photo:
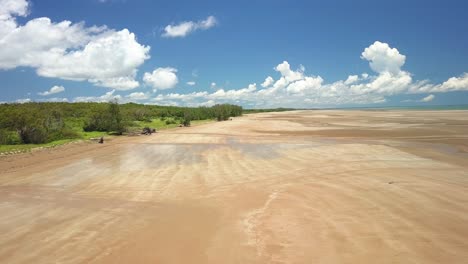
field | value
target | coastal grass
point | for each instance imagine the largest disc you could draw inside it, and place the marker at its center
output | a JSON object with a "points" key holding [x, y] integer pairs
{"points": [[28, 147], [161, 124], [76, 125]]}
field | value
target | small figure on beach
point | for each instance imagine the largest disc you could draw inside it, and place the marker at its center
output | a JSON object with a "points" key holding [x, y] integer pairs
{"points": [[101, 140], [147, 131]]}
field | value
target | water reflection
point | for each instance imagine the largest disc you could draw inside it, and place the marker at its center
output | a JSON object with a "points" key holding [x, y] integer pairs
{"points": [[135, 159]]}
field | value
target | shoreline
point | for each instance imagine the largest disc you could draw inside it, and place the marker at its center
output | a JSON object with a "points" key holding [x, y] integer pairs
{"points": [[40, 155], [25, 148]]}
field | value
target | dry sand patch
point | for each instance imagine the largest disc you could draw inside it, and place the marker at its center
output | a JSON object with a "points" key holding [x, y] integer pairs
{"points": [[295, 187]]}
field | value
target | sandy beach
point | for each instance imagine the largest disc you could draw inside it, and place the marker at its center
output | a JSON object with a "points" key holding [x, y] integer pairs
{"points": [[321, 186]]}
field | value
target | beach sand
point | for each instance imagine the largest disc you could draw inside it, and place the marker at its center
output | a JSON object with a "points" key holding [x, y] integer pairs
{"points": [[321, 186]]}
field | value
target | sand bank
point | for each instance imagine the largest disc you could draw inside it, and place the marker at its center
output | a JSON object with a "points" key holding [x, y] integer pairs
{"points": [[294, 187]]}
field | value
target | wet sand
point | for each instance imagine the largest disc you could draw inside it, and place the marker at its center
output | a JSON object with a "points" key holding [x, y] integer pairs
{"points": [[293, 187]]}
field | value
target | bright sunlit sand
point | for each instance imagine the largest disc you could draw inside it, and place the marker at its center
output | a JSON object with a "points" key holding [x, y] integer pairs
{"points": [[294, 187]]}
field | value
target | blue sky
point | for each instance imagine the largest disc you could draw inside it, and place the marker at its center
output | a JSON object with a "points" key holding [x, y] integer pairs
{"points": [[315, 53]]}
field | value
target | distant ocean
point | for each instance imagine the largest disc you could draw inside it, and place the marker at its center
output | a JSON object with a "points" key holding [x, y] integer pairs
{"points": [[422, 107]]}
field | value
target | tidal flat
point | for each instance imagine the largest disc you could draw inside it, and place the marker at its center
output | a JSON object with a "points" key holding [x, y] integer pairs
{"points": [[318, 186]]}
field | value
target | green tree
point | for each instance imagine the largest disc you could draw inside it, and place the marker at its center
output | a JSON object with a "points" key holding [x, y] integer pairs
{"points": [[109, 120], [115, 118], [187, 119]]}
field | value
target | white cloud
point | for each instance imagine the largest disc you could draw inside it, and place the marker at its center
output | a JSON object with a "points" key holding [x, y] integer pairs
{"points": [[384, 83], [107, 97], [186, 98], [55, 99], [161, 78], [428, 98], [208, 103], [55, 89], [64, 50], [268, 81], [352, 79], [233, 94], [10, 8], [301, 86], [296, 89], [23, 101], [119, 83], [455, 83], [382, 58], [191, 83], [288, 74], [184, 28], [451, 85], [137, 96], [424, 99], [279, 84]]}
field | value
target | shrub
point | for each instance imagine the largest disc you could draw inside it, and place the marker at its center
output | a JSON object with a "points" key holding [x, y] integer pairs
{"points": [[186, 122], [65, 133], [97, 122], [170, 121], [107, 121], [33, 135], [9, 137], [187, 118]]}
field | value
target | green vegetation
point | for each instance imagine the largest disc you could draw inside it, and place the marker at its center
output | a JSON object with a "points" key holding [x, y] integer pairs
{"points": [[23, 126], [28, 147], [106, 121]]}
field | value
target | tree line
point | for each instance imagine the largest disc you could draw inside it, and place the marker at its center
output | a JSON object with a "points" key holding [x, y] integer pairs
{"points": [[34, 123]]}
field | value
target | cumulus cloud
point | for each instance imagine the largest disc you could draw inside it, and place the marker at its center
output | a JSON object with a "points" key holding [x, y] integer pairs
{"points": [[268, 81], [385, 83], [184, 28], [352, 79], [295, 88], [10, 8], [137, 96], [55, 99], [191, 83], [55, 89], [161, 78], [300, 86], [107, 97], [428, 98], [289, 75], [452, 84], [112, 96], [70, 51], [455, 83], [382, 58], [233, 94], [208, 103]]}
